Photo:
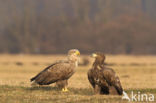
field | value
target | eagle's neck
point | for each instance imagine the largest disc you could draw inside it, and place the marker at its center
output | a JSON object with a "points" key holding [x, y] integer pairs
{"points": [[97, 65], [75, 63], [73, 60]]}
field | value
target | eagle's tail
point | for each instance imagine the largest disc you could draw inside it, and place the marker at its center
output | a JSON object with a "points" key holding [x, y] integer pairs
{"points": [[118, 86], [119, 90], [32, 79]]}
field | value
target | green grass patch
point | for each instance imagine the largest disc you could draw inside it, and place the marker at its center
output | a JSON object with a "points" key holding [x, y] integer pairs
{"points": [[49, 94]]}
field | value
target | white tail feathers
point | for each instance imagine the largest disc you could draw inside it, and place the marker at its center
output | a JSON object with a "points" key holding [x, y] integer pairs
{"points": [[33, 83]]}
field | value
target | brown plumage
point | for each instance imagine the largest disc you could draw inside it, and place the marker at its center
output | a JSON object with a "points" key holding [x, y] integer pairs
{"points": [[59, 71], [62, 83], [103, 79]]}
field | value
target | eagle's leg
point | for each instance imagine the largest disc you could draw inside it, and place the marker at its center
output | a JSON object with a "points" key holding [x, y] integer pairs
{"points": [[97, 89], [112, 90], [65, 83]]}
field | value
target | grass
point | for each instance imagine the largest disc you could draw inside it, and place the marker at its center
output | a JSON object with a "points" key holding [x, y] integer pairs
{"points": [[137, 73]]}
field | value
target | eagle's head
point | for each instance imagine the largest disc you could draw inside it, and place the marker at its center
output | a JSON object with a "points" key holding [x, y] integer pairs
{"points": [[74, 52], [99, 58], [73, 55]]}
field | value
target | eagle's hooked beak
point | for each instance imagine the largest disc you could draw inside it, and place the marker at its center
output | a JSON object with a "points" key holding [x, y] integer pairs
{"points": [[94, 55], [77, 53]]}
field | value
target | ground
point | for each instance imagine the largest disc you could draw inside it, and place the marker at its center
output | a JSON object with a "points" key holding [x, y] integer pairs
{"points": [[136, 73]]}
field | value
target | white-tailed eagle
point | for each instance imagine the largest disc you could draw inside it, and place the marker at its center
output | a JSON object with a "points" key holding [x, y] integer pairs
{"points": [[59, 72], [103, 79]]}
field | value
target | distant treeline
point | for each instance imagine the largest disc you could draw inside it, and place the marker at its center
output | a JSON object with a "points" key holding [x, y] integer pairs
{"points": [[54, 26]]}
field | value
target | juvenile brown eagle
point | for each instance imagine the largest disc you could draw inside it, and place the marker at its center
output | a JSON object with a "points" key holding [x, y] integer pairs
{"points": [[59, 72], [104, 80]]}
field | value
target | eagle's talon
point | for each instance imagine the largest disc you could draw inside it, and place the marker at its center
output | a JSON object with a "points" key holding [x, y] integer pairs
{"points": [[64, 90]]}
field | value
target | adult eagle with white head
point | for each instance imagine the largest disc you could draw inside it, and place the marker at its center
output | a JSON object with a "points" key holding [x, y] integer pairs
{"points": [[59, 72]]}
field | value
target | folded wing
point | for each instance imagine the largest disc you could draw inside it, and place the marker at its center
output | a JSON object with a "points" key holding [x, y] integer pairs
{"points": [[53, 73], [112, 79]]}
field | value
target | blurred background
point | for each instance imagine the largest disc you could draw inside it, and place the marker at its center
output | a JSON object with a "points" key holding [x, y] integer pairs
{"points": [[54, 26]]}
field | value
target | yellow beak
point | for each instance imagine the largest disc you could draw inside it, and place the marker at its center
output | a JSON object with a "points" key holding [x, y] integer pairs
{"points": [[77, 53], [94, 55]]}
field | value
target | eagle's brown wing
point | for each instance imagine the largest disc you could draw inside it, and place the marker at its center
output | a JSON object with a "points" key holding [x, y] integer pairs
{"points": [[97, 81], [91, 77], [112, 79], [53, 73]]}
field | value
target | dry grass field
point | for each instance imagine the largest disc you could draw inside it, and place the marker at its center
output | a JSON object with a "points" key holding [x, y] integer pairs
{"points": [[137, 73]]}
